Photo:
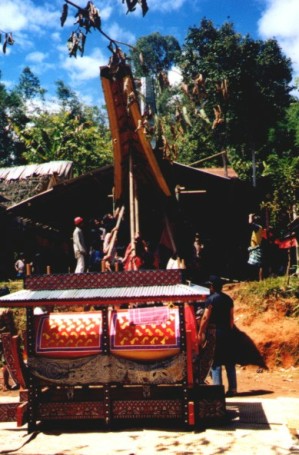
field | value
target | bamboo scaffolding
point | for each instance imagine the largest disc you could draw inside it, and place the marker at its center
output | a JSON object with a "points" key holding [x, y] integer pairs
{"points": [[114, 233]]}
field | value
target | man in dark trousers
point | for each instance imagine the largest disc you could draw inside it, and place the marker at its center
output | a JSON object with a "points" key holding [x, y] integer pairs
{"points": [[219, 310]]}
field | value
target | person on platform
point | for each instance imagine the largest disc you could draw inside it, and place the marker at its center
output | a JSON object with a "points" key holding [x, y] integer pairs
{"points": [[219, 310], [79, 245], [20, 266], [255, 259]]}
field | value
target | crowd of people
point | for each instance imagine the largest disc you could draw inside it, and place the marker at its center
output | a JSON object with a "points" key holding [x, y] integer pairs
{"points": [[102, 253], [96, 247], [268, 254]]}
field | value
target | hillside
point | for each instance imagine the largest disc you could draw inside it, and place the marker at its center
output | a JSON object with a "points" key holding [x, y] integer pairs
{"points": [[268, 313]]}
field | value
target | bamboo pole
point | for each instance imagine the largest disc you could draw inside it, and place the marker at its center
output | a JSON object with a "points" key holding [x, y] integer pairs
{"points": [[131, 196], [114, 233], [206, 158], [136, 207], [168, 228]]}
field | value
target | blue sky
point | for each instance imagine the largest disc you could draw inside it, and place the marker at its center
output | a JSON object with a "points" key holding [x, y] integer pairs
{"points": [[40, 41]]}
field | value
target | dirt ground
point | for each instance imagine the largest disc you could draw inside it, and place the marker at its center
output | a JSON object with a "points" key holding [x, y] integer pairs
{"points": [[276, 336]]}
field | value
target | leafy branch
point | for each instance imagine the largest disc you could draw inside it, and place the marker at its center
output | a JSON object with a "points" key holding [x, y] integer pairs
{"points": [[89, 18], [8, 39]]}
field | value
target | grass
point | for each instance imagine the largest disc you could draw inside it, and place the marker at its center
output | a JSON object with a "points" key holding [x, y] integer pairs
{"points": [[12, 285], [260, 293], [19, 313]]}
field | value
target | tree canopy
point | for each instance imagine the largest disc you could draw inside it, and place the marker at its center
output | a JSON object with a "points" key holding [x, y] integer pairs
{"points": [[154, 54], [235, 98], [241, 85], [74, 132]]}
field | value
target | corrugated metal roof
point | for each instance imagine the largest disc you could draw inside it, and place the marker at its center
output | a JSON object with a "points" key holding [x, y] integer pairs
{"points": [[219, 172], [61, 168], [171, 292], [213, 171]]}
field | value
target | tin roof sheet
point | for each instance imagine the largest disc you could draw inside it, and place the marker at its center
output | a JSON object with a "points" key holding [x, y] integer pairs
{"points": [[121, 294], [62, 168]]}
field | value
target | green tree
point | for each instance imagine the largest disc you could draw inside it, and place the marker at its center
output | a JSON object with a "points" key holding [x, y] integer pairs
{"points": [[293, 122], [68, 99], [238, 85], [62, 136], [12, 111], [29, 85], [284, 176], [154, 54], [76, 132]]}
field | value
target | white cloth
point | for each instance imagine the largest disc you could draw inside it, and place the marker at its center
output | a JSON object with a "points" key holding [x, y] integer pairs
{"points": [[173, 264], [80, 266], [20, 266], [80, 249]]}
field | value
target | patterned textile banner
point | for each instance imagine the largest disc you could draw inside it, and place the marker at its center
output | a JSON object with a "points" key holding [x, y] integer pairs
{"points": [[68, 334], [152, 333], [107, 369]]}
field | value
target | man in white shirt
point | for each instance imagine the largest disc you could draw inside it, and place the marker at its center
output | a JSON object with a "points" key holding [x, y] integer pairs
{"points": [[80, 249]]}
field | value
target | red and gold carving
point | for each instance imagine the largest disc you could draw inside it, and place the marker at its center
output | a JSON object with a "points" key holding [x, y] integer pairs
{"points": [[72, 411], [147, 409], [68, 334], [142, 338]]}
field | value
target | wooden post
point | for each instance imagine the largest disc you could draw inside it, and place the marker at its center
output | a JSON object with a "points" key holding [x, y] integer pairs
{"points": [[253, 168], [136, 208], [28, 269], [169, 232], [48, 270], [224, 160], [131, 197]]}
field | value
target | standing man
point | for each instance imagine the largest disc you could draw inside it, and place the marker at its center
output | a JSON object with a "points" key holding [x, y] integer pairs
{"points": [[255, 259], [219, 310], [80, 249], [20, 266]]}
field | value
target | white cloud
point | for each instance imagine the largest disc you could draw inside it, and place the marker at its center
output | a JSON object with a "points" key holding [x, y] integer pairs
{"points": [[55, 36], [38, 63], [106, 12], [36, 57], [166, 5], [50, 105], [85, 68], [280, 20], [8, 84], [10, 19], [17, 15], [119, 34], [175, 76]]}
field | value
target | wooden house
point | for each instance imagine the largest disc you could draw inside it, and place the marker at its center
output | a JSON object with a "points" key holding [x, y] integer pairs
{"points": [[211, 202]]}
